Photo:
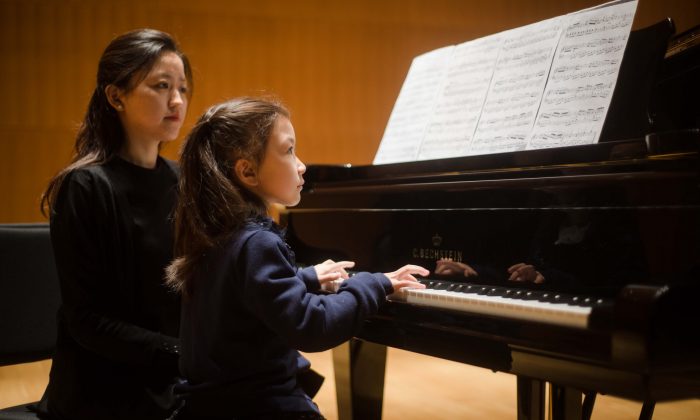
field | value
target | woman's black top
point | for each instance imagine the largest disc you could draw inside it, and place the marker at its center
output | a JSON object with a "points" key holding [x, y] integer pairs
{"points": [[116, 351]]}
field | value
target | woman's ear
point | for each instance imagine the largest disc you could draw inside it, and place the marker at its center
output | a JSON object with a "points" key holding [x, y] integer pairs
{"points": [[245, 171], [114, 95]]}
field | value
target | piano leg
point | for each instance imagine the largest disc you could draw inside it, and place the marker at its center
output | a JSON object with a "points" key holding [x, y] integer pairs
{"points": [[588, 402], [359, 368], [530, 396], [566, 403], [647, 410]]}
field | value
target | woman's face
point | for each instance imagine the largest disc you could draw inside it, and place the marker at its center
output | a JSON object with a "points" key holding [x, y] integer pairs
{"points": [[279, 175], [154, 110]]}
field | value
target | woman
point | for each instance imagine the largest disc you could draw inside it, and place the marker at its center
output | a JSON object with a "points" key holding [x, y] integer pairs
{"points": [[110, 213]]}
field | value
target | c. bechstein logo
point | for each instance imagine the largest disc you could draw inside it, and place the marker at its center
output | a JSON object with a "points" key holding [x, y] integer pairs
{"points": [[436, 253]]}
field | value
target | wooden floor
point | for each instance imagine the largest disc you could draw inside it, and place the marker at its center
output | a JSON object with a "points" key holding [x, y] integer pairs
{"points": [[423, 387], [417, 387]]}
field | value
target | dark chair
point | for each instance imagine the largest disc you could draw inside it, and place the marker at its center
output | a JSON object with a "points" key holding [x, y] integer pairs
{"points": [[29, 299]]}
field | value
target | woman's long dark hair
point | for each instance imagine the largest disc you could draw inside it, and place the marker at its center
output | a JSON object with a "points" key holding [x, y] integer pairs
{"points": [[212, 202], [124, 63]]}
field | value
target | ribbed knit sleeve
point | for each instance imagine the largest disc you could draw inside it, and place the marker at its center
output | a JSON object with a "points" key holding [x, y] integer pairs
{"points": [[278, 294]]}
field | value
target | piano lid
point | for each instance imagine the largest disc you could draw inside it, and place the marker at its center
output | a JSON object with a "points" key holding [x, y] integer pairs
{"points": [[675, 104], [426, 170]]}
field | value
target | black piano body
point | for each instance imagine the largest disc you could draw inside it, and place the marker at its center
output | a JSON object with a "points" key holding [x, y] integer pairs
{"points": [[612, 227]]}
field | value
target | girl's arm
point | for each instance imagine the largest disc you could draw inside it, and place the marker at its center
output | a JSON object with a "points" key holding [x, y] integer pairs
{"points": [[280, 298]]}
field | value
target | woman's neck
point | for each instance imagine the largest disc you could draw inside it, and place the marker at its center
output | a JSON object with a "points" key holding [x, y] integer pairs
{"points": [[141, 155]]}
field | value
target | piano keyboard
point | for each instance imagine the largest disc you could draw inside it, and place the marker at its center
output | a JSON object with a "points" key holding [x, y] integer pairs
{"points": [[514, 303]]}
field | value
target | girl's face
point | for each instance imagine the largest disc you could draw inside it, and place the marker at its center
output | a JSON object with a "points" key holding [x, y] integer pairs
{"points": [[279, 177], [154, 110]]}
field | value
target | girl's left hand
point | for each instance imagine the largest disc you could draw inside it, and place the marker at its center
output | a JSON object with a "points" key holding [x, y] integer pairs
{"points": [[330, 270]]}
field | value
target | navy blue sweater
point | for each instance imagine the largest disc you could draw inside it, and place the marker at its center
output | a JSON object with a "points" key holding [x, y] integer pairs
{"points": [[250, 311]]}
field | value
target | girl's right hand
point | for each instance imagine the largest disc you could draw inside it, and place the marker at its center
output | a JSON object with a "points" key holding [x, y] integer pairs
{"points": [[403, 277]]}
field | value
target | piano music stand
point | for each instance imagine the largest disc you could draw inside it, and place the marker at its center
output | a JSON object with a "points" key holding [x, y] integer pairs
{"points": [[629, 115]]}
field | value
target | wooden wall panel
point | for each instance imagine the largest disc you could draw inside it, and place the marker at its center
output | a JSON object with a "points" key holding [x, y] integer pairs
{"points": [[338, 65]]}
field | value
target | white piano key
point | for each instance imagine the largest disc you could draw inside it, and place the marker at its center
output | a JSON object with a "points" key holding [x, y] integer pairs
{"points": [[530, 310], [514, 308]]}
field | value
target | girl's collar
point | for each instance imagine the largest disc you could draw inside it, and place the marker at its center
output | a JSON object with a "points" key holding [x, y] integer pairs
{"points": [[269, 224]]}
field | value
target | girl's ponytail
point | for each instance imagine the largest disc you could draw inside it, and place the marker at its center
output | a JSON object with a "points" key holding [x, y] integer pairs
{"points": [[212, 203]]}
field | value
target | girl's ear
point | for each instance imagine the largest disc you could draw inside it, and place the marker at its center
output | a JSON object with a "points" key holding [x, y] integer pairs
{"points": [[114, 95], [245, 171]]}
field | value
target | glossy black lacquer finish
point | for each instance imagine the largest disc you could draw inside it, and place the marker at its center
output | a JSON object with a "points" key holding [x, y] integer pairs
{"points": [[612, 221], [617, 222]]}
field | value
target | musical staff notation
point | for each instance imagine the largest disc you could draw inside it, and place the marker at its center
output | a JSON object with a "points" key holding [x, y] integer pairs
{"points": [[542, 85]]}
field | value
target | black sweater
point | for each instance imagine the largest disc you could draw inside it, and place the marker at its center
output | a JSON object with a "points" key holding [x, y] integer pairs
{"points": [[111, 231]]}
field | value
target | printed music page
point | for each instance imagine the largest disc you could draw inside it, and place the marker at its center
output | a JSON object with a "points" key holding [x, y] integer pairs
{"points": [[414, 107], [548, 84], [583, 76], [516, 90], [458, 106]]}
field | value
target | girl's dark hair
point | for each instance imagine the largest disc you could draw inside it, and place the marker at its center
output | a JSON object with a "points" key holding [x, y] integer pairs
{"points": [[124, 63], [212, 202]]}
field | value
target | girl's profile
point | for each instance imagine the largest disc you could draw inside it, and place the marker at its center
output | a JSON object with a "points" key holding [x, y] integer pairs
{"points": [[247, 308]]}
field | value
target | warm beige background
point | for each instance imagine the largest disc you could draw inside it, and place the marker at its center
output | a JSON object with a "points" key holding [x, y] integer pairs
{"points": [[338, 65]]}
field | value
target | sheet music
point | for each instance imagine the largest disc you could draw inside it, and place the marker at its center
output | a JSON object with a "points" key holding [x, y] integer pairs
{"points": [[414, 107], [516, 89], [583, 77], [458, 106], [547, 84]]}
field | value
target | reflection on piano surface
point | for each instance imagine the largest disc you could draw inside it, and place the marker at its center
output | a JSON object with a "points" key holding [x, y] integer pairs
{"points": [[609, 235]]}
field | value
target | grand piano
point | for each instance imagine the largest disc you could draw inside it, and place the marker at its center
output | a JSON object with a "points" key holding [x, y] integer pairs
{"points": [[613, 230]]}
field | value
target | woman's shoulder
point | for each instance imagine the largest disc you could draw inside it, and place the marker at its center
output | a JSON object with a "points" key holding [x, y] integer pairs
{"points": [[87, 177], [84, 189]]}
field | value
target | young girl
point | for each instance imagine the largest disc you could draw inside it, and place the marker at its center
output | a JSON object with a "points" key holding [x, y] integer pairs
{"points": [[116, 350], [247, 308]]}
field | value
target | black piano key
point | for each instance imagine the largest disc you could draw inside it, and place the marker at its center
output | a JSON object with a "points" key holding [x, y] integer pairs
{"points": [[496, 291], [440, 285], [531, 295], [483, 290], [470, 288]]}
